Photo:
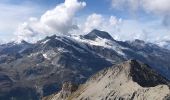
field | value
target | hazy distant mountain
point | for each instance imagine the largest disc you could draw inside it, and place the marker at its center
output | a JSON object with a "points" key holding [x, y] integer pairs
{"points": [[129, 80], [44, 66], [164, 44]]}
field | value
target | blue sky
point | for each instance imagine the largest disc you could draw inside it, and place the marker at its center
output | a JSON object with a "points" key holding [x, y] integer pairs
{"points": [[131, 19]]}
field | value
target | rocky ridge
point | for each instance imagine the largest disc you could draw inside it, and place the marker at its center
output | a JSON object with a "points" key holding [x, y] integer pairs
{"points": [[130, 80]]}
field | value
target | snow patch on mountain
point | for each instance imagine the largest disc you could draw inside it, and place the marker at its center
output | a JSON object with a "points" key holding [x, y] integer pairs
{"points": [[50, 54], [46, 56], [102, 42], [44, 42], [33, 54], [61, 50]]}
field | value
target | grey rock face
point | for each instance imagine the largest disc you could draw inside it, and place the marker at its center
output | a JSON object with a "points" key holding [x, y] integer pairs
{"points": [[96, 33], [144, 75], [67, 89]]}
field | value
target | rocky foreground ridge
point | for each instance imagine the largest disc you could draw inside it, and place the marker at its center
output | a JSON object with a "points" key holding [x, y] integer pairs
{"points": [[130, 80]]}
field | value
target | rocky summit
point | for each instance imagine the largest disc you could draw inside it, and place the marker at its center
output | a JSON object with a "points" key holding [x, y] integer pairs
{"points": [[130, 80]]}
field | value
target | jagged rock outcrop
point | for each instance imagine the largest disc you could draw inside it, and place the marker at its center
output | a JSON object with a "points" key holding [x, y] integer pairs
{"points": [[130, 80], [67, 89]]}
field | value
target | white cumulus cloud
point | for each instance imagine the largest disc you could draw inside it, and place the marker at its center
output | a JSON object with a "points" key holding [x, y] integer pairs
{"points": [[157, 7], [98, 21], [158, 28], [57, 20], [93, 21]]}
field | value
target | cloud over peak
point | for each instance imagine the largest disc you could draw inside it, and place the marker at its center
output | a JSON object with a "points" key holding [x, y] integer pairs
{"points": [[57, 20], [60, 19], [98, 21]]}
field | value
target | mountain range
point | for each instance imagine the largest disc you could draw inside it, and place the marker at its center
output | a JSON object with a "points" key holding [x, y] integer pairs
{"points": [[31, 71]]}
